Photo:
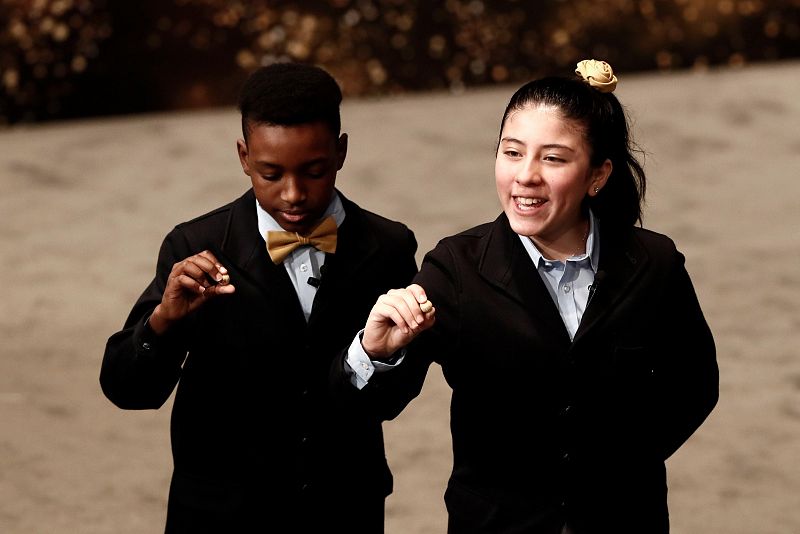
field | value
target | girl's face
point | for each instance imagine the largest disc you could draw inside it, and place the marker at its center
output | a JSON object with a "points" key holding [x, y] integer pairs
{"points": [[542, 173]]}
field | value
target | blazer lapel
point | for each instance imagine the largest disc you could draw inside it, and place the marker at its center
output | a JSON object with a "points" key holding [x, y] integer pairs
{"points": [[506, 265], [245, 248], [622, 260], [355, 245]]}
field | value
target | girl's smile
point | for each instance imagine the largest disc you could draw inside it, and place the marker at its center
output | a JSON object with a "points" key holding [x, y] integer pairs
{"points": [[543, 175]]}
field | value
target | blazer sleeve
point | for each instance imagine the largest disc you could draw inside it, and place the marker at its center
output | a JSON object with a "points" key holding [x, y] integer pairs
{"points": [[388, 393], [140, 369], [689, 380]]}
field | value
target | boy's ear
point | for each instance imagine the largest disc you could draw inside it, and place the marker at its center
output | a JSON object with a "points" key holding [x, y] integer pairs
{"points": [[341, 151], [241, 149]]}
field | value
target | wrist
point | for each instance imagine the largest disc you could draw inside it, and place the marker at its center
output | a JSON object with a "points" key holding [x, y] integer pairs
{"points": [[158, 324]]}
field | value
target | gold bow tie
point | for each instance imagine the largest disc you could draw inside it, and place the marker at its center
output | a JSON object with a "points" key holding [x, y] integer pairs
{"points": [[323, 237]]}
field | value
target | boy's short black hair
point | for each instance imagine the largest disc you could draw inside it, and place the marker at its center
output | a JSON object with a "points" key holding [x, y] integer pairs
{"points": [[286, 94]]}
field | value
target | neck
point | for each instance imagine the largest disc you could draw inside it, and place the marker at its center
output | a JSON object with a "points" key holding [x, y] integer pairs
{"points": [[567, 245]]}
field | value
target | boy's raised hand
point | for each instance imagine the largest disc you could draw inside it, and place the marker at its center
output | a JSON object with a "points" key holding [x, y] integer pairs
{"points": [[395, 320], [190, 284]]}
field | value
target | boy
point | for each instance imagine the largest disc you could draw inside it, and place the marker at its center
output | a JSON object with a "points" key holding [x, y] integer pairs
{"points": [[249, 334]]}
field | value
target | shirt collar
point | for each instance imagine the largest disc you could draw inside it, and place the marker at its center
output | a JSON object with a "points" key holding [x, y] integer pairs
{"points": [[266, 223], [592, 252]]}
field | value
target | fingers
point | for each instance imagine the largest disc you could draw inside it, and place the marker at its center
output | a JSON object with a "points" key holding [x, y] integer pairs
{"points": [[189, 284], [404, 304], [407, 308], [204, 268], [196, 278], [395, 320], [425, 306]]}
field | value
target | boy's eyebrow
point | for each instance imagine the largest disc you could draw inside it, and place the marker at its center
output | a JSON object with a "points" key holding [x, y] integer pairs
{"points": [[266, 163], [313, 161]]}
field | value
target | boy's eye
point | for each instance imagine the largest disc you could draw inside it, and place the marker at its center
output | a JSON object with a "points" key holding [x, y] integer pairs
{"points": [[316, 172], [271, 177]]}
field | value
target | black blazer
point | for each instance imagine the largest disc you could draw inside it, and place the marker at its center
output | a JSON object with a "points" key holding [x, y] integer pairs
{"points": [[546, 430], [256, 436]]}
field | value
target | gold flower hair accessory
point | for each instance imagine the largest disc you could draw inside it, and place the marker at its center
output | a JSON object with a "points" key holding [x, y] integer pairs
{"points": [[597, 74]]}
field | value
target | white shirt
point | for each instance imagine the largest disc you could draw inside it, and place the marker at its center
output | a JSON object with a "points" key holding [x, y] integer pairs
{"points": [[304, 262]]}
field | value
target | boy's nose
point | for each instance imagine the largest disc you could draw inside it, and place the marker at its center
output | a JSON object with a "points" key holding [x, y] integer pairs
{"points": [[292, 191]]}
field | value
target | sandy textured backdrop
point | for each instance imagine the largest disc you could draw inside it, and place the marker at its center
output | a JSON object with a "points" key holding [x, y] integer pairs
{"points": [[85, 206]]}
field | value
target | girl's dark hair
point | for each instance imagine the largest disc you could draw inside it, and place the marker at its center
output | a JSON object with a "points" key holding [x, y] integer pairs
{"points": [[288, 94], [605, 127]]}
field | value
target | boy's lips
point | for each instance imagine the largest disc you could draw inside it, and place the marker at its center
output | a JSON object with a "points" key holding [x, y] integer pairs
{"points": [[294, 216]]}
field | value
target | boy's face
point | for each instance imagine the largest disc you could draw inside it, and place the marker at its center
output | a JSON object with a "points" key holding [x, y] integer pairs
{"points": [[293, 170]]}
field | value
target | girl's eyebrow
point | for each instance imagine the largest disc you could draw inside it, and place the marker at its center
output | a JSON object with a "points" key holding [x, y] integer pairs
{"points": [[546, 147], [557, 145]]}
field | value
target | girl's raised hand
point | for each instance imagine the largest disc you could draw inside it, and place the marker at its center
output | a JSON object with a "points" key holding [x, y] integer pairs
{"points": [[397, 318]]}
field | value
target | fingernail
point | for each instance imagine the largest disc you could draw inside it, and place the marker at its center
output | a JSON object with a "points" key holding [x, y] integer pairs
{"points": [[222, 269], [218, 278], [422, 298]]}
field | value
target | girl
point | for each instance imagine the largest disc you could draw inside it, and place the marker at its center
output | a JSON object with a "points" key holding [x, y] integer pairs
{"points": [[572, 338]]}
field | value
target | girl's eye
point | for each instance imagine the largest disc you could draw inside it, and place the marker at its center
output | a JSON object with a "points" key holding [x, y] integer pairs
{"points": [[512, 153], [553, 158]]}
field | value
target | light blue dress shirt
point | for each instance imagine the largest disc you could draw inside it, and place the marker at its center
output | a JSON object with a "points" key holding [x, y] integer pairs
{"points": [[569, 282], [303, 262]]}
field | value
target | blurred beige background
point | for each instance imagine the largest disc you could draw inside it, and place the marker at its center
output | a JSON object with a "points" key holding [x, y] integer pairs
{"points": [[85, 206]]}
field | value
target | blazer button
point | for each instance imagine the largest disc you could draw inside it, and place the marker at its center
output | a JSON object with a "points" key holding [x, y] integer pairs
{"points": [[566, 410]]}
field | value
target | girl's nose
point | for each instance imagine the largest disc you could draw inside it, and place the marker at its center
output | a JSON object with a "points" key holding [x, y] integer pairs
{"points": [[528, 174]]}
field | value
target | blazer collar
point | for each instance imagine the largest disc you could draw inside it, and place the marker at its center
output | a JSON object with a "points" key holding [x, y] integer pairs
{"points": [[244, 252], [244, 247], [622, 260], [505, 264], [355, 245]]}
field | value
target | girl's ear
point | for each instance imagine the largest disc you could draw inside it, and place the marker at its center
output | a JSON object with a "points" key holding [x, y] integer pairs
{"points": [[599, 177]]}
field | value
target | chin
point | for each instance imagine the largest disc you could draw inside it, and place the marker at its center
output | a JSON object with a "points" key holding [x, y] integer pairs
{"points": [[523, 227]]}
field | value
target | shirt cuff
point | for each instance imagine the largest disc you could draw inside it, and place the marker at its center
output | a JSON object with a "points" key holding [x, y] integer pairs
{"points": [[361, 367], [144, 338]]}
